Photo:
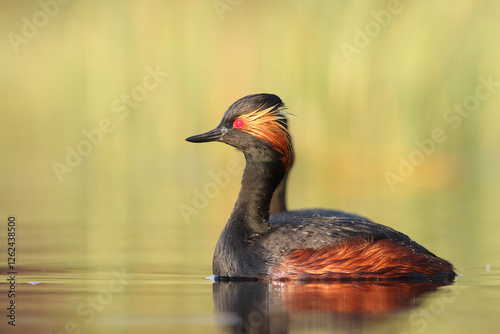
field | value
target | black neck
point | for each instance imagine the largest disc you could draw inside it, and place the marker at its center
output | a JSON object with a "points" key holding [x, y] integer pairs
{"points": [[250, 215]]}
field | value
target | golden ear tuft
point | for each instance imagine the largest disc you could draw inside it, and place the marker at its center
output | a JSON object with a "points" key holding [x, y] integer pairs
{"points": [[268, 124]]}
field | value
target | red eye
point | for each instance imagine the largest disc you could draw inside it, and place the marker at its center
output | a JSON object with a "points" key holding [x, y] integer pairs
{"points": [[238, 123]]}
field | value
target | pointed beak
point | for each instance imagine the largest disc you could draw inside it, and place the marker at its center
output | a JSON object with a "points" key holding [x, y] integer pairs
{"points": [[212, 135]]}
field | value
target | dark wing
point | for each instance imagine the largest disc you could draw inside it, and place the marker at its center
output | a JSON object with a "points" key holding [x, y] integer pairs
{"points": [[337, 248], [313, 213], [298, 232]]}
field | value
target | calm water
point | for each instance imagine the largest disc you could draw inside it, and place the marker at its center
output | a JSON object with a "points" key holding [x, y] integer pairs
{"points": [[71, 286]]}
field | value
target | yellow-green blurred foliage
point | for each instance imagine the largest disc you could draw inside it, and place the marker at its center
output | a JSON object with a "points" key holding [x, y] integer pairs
{"points": [[355, 117]]}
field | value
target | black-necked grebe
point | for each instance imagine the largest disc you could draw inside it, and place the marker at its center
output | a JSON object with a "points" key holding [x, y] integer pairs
{"points": [[307, 244]]}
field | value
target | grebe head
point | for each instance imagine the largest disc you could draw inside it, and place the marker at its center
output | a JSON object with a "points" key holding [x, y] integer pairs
{"points": [[255, 124]]}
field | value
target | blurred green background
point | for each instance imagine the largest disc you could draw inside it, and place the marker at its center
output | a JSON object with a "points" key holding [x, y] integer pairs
{"points": [[364, 81]]}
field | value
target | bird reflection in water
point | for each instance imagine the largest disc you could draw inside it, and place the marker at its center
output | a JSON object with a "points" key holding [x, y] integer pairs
{"points": [[277, 307]]}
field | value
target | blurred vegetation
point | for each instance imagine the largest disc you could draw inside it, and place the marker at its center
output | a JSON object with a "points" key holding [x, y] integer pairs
{"points": [[353, 120]]}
